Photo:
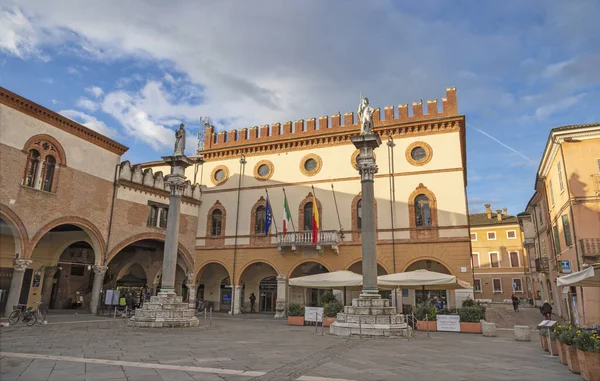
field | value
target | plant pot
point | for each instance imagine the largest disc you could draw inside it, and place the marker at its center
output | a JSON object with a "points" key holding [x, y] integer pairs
{"points": [[555, 347], [545, 343], [572, 360], [426, 325], [589, 364], [296, 320], [467, 327], [562, 354], [327, 321]]}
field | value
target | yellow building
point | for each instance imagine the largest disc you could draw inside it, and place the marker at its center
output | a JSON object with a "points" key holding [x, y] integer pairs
{"points": [[500, 266], [565, 213]]}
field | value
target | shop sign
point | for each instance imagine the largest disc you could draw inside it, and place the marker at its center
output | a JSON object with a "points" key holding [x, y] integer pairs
{"points": [[566, 267], [313, 314], [448, 323]]}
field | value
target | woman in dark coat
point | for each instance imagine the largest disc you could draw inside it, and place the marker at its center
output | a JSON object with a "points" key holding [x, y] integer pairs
{"points": [[546, 310]]}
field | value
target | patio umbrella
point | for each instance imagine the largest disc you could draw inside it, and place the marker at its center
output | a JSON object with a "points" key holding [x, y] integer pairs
{"points": [[589, 277], [419, 279], [335, 279]]}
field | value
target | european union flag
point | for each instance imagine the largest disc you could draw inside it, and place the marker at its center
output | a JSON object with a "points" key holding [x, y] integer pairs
{"points": [[269, 218]]}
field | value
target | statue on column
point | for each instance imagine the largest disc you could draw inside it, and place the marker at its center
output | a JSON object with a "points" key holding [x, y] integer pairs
{"points": [[179, 141], [365, 116]]}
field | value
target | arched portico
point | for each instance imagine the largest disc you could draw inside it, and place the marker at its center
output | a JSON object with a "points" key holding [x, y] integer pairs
{"points": [[213, 284], [13, 245], [306, 296], [446, 297], [250, 283]]}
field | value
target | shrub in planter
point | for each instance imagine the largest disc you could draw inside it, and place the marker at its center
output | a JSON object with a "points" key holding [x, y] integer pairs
{"points": [[426, 311], [295, 314], [566, 335], [587, 344], [326, 298], [332, 308], [472, 314]]}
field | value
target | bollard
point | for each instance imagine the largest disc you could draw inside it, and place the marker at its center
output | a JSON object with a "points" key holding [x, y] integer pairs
{"points": [[522, 333], [427, 324], [359, 327], [488, 329], [205, 317]]}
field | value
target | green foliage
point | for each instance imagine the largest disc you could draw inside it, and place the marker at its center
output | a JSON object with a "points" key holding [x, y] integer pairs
{"points": [[566, 333], [326, 298], [472, 314], [295, 309], [332, 308], [587, 341], [426, 311], [468, 302]]}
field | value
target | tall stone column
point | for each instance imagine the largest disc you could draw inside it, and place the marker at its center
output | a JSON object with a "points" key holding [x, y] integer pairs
{"points": [[367, 168], [280, 305], [237, 296], [192, 290], [99, 272], [49, 273], [16, 282]]}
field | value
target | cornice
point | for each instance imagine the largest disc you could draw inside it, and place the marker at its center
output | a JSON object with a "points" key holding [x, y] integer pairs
{"points": [[24, 105], [155, 191]]}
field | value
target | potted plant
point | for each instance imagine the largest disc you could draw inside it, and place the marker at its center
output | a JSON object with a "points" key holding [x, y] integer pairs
{"points": [[330, 310], [426, 317], [566, 337], [470, 318], [587, 344], [295, 314], [558, 330], [544, 339]]}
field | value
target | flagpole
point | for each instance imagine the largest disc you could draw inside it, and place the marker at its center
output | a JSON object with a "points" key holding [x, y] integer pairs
{"points": [[272, 214], [337, 211], [291, 218]]}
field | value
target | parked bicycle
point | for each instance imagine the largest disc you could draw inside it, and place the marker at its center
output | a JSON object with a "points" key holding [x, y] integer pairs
{"points": [[40, 313], [21, 312]]}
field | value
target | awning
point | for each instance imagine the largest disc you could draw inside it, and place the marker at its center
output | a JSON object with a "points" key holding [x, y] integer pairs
{"points": [[335, 279], [422, 279], [589, 277]]}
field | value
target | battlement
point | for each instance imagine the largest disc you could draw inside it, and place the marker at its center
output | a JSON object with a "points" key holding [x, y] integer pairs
{"points": [[327, 125], [156, 181]]}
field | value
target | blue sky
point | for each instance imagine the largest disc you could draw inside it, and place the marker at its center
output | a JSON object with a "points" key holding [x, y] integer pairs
{"points": [[134, 70]]}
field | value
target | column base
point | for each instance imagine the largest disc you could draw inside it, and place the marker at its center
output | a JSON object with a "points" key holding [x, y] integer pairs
{"points": [[165, 310]]}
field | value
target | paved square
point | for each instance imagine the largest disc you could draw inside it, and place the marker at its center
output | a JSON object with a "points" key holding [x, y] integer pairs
{"points": [[259, 348]]}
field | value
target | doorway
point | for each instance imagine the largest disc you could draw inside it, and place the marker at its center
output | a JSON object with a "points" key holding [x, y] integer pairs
{"points": [[268, 294]]}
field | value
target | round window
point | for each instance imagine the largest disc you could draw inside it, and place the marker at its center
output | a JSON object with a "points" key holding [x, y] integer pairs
{"points": [[310, 165], [418, 153], [219, 175], [263, 170]]}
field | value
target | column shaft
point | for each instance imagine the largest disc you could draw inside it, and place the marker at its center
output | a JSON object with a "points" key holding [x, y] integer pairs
{"points": [[14, 292], [171, 245], [369, 245], [99, 272], [280, 305]]}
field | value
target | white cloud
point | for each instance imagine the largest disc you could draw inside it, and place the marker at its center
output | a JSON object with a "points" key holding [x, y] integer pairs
{"points": [[546, 111], [48, 80], [87, 104], [18, 36], [90, 122], [95, 90], [73, 70]]}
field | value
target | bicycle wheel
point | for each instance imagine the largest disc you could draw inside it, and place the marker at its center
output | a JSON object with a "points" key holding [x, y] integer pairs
{"points": [[42, 315], [30, 318], [14, 317]]}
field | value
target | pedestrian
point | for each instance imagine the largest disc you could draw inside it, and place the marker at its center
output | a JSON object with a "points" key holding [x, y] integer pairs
{"points": [[252, 300], [546, 310], [515, 302]]}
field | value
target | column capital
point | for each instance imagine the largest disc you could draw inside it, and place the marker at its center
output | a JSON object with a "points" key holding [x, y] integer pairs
{"points": [[100, 270], [21, 264], [281, 277]]}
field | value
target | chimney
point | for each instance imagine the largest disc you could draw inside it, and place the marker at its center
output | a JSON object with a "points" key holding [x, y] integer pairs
{"points": [[505, 211], [499, 215], [488, 211]]}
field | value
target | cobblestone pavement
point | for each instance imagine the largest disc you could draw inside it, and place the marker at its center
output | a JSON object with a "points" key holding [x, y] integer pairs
{"points": [[505, 317], [259, 348]]}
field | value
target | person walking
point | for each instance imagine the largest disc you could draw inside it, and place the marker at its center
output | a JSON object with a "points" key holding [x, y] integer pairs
{"points": [[252, 300], [546, 310], [515, 302]]}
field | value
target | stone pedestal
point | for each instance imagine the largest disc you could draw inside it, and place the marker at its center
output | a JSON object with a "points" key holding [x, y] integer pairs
{"points": [[165, 310], [522, 333]]}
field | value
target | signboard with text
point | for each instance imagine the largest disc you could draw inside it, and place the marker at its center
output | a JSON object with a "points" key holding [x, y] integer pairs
{"points": [[448, 323], [566, 267], [313, 314]]}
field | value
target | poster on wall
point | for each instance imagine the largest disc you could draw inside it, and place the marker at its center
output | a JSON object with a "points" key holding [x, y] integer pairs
{"points": [[108, 297], [115, 298], [37, 276]]}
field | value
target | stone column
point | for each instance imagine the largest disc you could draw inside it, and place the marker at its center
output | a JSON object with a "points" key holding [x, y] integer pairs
{"points": [[236, 294], [49, 273], [280, 305], [192, 290], [365, 163], [99, 272], [16, 282]]}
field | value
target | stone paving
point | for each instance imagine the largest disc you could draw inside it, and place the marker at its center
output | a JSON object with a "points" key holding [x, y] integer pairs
{"points": [[259, 348]]}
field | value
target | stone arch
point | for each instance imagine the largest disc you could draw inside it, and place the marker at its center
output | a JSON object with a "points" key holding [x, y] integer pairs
{"points": [[315, 260], [17, 228], [186, 255], [239, 276], [306, 200], [428, 258], [208, 262], [61, 160], [68, 243], [98, 243], [417, 232], [379, 263]]}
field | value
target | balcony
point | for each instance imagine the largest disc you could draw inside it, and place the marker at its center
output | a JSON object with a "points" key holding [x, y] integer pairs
{"points": [[590, 247], [294, 240], [541, 265]]}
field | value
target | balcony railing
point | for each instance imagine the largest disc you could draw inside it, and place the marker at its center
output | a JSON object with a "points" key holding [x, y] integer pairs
{"points": [[590, 247], [541, 265], [294, 240]]}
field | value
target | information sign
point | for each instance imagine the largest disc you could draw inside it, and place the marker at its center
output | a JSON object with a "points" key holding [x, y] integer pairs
{"points": [[449, 323], [313, 314]]}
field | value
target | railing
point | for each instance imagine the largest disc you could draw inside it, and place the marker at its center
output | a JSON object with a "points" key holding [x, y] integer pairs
{"points": [[541, 265], [294, 240], [590, 247]]}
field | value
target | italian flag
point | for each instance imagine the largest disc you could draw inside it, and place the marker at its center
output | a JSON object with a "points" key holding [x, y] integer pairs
{"points": [[287, 216], [315, 221]]}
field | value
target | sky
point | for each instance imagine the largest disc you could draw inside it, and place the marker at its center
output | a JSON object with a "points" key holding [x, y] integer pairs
{"points": [[134, 70]]}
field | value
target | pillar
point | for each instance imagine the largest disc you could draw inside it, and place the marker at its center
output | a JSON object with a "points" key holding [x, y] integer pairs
{"points": [[16, 282], [49, 273], [99, 272], [236, 294], [192, 291], [280, 305], [365, 163]]}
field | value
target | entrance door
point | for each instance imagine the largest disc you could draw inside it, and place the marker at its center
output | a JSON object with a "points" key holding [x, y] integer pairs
{"points": [[268, 294]]}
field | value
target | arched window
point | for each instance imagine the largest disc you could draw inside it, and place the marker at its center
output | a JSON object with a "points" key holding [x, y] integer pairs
{"points": [[217, 219], [422, 211], [163, 217], [359, 214], [308, 211], [48, 171], [261, 220], [31, 171]]}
